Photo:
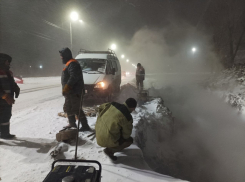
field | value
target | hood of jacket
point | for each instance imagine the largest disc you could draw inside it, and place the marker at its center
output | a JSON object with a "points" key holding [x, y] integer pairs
{"points": [[66, 54]]}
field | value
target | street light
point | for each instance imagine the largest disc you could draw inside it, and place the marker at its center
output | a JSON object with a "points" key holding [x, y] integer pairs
{"points": [[40, 66], [127, 60], [113, 46], [194, 49], [122, 56], [74, 17]]}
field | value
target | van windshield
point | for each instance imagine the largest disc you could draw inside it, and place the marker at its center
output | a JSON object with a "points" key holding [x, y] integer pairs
{"points": [[92, 65]]}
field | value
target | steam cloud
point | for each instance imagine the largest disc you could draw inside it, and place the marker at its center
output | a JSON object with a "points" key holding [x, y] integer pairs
{"points": [[210, 134]]}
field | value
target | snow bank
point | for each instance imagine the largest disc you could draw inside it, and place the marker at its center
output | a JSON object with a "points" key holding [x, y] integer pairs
{"points": [[154, 131], [230, 85]]}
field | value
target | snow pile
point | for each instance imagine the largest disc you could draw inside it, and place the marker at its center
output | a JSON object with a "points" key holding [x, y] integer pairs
{"points": [[230, 85], [127, 90], [154, 131]]}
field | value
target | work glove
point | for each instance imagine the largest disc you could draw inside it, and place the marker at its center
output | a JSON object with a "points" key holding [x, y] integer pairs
{"points": [[66, 90], [8, 99], [17, 91]]}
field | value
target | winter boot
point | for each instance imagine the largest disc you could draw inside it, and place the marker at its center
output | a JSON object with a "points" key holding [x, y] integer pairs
{"points": [[110, 154], [85, 126], [84, 122], [72, 122], [5, 132]]}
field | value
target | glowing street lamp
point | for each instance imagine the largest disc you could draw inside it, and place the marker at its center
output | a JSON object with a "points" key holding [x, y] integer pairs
{"points": [[40, 66], [113, 46], [74, 16], [127, 60], [193, 49], [122, 56]]}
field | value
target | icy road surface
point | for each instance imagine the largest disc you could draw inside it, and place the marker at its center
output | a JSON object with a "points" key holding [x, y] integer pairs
{"points": [[35, 123]]}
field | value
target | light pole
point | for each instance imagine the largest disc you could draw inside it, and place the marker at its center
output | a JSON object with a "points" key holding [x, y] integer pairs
{"points": [[74, 17]]}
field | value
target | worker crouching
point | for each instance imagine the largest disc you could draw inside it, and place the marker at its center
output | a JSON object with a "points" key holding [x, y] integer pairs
{"points": [[114, 126]]}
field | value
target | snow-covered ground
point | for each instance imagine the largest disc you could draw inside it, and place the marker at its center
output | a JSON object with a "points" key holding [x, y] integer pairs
{"points": [[230, 85], [35, 123]]}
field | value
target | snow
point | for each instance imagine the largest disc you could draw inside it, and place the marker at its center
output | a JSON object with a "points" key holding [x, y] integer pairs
{"points": [[229, 84], [35, 122]]}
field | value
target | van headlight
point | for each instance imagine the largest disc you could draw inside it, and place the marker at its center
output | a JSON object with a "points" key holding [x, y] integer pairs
{"points": [[100, 85]]}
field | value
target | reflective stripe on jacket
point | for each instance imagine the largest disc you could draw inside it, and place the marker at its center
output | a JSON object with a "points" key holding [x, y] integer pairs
{"points": [[67, 64], [73, 76]]}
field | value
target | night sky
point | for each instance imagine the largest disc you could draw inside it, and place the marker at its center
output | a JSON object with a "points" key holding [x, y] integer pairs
{"points": [[32, 31]]}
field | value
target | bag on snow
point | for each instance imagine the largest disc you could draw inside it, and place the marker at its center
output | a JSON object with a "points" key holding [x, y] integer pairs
{"points": [[66, 134]]}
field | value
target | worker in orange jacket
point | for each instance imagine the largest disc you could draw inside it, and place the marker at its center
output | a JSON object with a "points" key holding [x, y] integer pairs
{"points": [[8, 89], [72, 89]]}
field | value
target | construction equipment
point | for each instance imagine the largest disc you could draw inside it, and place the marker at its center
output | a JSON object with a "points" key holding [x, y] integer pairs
{"points": [[74, 173]]}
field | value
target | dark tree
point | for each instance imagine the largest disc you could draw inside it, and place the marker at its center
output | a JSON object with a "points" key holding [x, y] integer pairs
{"points": [[226, 20]]}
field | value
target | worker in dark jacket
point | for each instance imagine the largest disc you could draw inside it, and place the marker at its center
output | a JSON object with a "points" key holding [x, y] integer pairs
{"points": [[114, 126], [73, 89], [140, 76], [8, 88]]}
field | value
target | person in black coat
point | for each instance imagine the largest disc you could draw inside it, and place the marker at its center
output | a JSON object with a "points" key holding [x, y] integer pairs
{"points": [[8, 88], [72, 89], [140, 76]]}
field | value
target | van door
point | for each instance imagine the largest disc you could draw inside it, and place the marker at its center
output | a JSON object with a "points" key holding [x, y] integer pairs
{"points": [[117, 76], [109, 73]]}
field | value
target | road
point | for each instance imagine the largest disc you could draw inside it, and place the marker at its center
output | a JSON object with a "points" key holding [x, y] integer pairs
{"points": [[35, 123], [39, 90]]}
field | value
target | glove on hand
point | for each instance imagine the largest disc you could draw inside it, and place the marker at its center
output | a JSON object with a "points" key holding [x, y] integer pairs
{"points": [[17, 91], [8, 99], [66, 90]]}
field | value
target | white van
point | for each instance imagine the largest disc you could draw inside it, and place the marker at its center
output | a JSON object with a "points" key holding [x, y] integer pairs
{"points": [[101, 73]]}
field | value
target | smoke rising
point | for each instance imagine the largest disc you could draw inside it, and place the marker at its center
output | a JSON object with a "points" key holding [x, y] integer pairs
{"points": [[169, 50], [210, 134], [208, 144]]}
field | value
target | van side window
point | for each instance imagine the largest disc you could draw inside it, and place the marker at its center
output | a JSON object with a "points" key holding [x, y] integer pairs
{"points": [[114, 64]]}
